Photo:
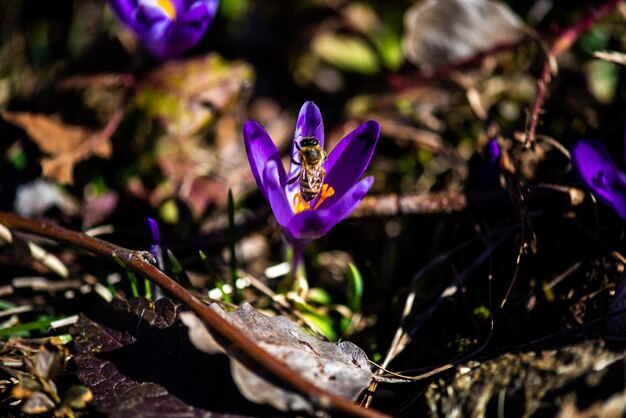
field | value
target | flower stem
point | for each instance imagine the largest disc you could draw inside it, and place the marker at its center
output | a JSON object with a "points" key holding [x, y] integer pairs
{"points": [[297, 281]]}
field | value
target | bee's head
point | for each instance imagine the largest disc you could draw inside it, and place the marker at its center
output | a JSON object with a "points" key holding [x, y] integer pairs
{"points": [[309, 141]]}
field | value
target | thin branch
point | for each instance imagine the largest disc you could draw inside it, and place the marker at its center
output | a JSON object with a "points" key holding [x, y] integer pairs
{"points": [[138, 261], [562, 43], [545, 195]]}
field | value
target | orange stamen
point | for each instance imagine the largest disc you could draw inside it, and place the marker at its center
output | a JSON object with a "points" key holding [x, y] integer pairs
{"points": [[299, 204], [326, 192]]}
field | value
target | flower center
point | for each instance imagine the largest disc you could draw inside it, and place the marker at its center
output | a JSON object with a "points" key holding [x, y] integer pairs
{"points": [[300, 205], [168, 7]]}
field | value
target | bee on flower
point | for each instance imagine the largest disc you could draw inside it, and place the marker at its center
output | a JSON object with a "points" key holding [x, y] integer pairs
{"points": [[319, 189]]}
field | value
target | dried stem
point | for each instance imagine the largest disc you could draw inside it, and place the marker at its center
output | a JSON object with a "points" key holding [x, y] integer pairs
{"points": [[562, 43], [543, 195], [136, 261]]}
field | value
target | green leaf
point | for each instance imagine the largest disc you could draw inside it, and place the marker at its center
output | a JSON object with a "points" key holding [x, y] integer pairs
{"points": [[178, 271], [18, 157], [354, 291], [390, 50], [318, 295], [169, 212], [347, 53], [602, 79], [134, 283], [22, 329], [233, 9], [6, 305], [216, 278], [323, 324], [134, 289], [232, 239]]}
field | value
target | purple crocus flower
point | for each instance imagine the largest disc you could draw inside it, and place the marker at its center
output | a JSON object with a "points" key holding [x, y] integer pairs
{"points": [[167, 28], [597, 169], [340, 191]]}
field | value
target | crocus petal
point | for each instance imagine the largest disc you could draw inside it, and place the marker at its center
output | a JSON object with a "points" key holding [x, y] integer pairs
{"points": [[490, 168], [151, 230], [201, 10], [616, 183], [260, 150], [309, 123], [189, 28], [348, 161], [153, 27], [492, 151], [619, 195], [275, 193], [596, 168], [312, 224], [179, 6]]}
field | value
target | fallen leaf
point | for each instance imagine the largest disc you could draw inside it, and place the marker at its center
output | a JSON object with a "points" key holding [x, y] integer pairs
{"points": [[184, 95], [442, 32], [67, 145], [340, 368], [137, 360]]}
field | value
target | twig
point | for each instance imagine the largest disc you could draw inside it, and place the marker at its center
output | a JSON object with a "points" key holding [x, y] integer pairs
{"points": [[400, 82], [546, 195], [138, 261], [562, 43]]}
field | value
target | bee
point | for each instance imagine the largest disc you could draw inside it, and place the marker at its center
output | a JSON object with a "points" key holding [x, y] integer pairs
{"points": [[312, 173]]}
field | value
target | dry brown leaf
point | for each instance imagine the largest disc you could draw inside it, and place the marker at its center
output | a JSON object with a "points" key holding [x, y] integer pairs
{"points": [[66, 144], [340, 368]]}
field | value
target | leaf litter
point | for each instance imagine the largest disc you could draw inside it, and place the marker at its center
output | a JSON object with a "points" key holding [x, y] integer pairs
{"points": [[136, 359], [341, 368]]}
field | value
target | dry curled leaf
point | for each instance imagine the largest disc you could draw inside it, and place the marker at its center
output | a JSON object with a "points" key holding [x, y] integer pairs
{"points": [[442, 32], [66, 145], [340, 368]]}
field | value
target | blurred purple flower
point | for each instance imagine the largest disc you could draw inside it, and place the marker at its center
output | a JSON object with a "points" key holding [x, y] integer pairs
{"points": [[492, 166], [597, 169], [303, 221], [153, 239], [167, 28], [492, 152]]}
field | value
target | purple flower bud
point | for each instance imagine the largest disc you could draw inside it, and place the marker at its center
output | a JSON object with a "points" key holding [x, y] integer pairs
{"points": [[167, 28], [307, 208], [491, 168], [492, 152], [153, 240]]}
